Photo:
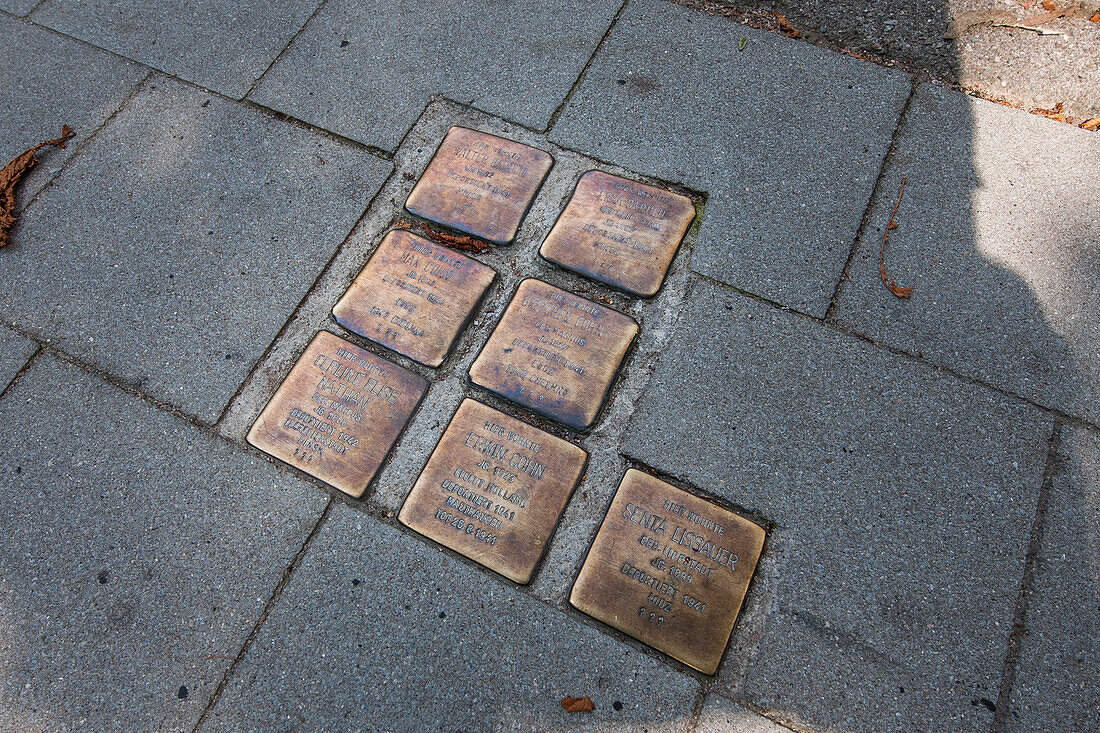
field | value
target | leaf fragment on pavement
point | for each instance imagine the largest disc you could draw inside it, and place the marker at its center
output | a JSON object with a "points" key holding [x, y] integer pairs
{"points": [[1092, 124], [741, 43], [578, 704], [891, 284], [13, 174], [785, 25]]}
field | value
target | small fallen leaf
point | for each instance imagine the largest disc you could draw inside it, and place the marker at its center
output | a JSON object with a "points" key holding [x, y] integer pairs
{"points": [[785, 25], [1092, 124], [1095, 18], [1054, 113], [461, 242], [13, 174], [742, 43], [1048, 5], [887, 280], [578, 704]]}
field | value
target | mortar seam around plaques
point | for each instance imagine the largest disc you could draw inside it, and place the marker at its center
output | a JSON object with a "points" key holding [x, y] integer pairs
{"points": [[279, 55], [79, 148], [584, 69], [269, 604], [837, 327], [301, 301], [1017, 637], [872, 201]]}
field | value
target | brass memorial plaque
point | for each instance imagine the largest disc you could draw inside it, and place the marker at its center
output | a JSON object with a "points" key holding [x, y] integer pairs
{"points": [[480, 184], [669, 569], [620, 232], [555, 353], [494, 490], [338, 413], [414, 296]]}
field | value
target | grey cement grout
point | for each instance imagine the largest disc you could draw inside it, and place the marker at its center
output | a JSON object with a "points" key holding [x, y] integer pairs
{"points": [[872, 201], [19, 372], [1016, 638], [283, 50]]}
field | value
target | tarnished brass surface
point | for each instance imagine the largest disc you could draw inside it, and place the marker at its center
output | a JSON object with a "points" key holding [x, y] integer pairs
{"points": [[338, 413], [480, 184], [414, 296], [494, 490], [555, 353], [669, 569], [620, 232]]}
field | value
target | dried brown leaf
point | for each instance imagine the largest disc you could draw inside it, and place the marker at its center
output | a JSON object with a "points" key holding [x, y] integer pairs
{"points": [[785, 25], [578, 704], [1054, 113], [1092, 124], [13, 175], [887, 280], [1048, 5], [1095, 18], [462, 242]]}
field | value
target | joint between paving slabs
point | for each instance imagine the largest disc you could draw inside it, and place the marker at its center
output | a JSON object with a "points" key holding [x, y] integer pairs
{"points": [[872, 201], [282, 51], [1017, 637], [268, 605], [4, 389]]}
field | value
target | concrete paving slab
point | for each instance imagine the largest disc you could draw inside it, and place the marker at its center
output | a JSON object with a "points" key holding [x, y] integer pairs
{"points": [[15, 350], [1057, 683], [18, 7], [47, 81], [787, 139], [902, 501], [377, 631], [137, 552], [223, 46], [999, 238], [720, 715], [175, 247], [367, 71]]}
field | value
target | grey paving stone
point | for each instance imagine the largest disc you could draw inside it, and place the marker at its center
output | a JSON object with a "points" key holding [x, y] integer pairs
{"points": [[177, 244], [1057, 683], [18, 7], [902, 500], [367, 70], [377, 631], [999, 238], [137, 552], [15, 350], [720, 715], [224, 46], [46, 81], [786, 138]]}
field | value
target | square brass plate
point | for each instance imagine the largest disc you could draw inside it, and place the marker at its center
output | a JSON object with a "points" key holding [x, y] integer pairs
{"points": [[669, 569], [620, 232], [414, 296], [338, 413], [494, 489], [555, 353], [480, 184]]}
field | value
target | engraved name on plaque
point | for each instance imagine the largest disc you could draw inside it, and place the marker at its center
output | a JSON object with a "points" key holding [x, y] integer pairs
{"points": [[494, 490], [619, 232], [555, 353], [414, 297], [669, 569], [480, 184], [338, 413]]}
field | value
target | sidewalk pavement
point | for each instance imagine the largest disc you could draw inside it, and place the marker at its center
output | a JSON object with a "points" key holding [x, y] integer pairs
{"points": [[926, 468]]}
